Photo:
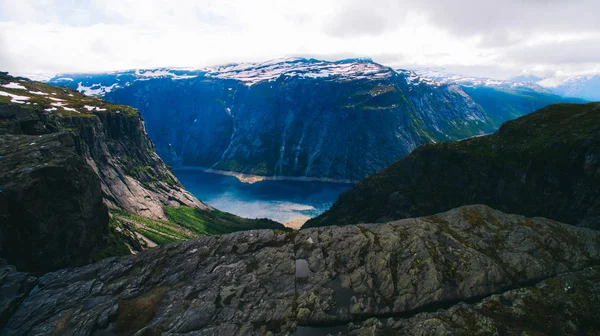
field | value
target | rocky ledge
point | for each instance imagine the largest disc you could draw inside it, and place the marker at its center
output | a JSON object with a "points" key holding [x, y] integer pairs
{"points": [[469, 269]]}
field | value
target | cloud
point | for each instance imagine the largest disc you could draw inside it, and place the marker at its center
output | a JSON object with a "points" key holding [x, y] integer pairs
{"points": [[361, 18], [511, 19], [585, 50], [512, 36]]}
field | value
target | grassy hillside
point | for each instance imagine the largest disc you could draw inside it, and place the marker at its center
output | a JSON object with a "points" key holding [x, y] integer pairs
{"points": [[544, 164]]}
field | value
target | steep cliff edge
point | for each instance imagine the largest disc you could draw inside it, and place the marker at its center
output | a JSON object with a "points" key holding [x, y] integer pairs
{"points": [[543, 164], [51, 209], [64, 158], [406, 276]]}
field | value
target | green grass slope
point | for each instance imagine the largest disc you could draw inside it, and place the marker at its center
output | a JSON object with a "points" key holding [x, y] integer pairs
{"points": [[543, 164]]}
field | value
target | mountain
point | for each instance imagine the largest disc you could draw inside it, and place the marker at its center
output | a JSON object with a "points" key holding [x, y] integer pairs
{"points": [[457, 269], [441, 76], [471, 270], [544, 164], [586, 87], [66, 160], [301, 117], [504, 100]]}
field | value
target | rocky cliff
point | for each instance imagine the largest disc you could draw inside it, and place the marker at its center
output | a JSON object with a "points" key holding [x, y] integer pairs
{"points": [[65, 160], [302, 117], [470, 270], [543, 164], [51, 209]]}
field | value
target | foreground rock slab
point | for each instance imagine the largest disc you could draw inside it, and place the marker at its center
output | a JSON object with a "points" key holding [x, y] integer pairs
{"points": [[361, 279], [563, 305]]}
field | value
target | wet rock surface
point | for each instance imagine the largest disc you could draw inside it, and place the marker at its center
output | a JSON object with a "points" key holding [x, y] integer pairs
{"points": [[366, 279]]}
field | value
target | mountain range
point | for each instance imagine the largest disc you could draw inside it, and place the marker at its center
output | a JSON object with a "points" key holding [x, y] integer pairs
{"points": [[340, 120], [84, 195], [578, 86]]}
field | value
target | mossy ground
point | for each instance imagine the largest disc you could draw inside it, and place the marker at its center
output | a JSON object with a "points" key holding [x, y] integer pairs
{"points": [[116, 245], [136, 313], [186, 223], [204, 222]]}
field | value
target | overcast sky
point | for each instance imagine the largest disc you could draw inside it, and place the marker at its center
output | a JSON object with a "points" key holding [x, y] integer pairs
{"points": [[477, 37]]}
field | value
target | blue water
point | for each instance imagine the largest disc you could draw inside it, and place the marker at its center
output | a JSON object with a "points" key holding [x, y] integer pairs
{"points": [[281, 201]]}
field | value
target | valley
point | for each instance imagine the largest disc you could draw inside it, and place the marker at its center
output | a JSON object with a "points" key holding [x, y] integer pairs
{"points": [[108, 239], [314, 168], [280, 200], [339, 120]]}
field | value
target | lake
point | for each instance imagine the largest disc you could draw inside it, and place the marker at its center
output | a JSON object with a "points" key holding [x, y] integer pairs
{"points": [[278, 200]]}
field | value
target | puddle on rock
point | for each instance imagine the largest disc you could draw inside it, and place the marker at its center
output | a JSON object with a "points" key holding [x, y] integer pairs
{"points": [[301, 268]]}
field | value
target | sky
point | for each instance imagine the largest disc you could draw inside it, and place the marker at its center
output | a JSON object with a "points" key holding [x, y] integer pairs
{"points": [[490, 38]]}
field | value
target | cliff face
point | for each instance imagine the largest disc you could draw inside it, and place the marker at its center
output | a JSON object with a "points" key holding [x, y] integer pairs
{"points": [[373, 279], [51, 210], [134, 179], [66, 159], [111, 139], [543, 164], [292, 126]]}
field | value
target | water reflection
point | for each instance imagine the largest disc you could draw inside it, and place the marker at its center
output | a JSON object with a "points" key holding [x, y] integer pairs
{"points": [[282, 201]]}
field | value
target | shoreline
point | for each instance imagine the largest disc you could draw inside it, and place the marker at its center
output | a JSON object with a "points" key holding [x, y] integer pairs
{"points": [[251, 179]]}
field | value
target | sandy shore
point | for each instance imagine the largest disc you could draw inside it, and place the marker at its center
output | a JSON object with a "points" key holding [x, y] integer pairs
{"points": [[251, 179], [296, 224]]}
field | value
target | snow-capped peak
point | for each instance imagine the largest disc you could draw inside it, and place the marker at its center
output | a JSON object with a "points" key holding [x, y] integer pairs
{"points": [[253, 73], [247, 73], [444, 77]]}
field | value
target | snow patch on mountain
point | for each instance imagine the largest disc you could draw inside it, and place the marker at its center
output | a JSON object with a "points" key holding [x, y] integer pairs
{"points": [[15, 98], [246, 73], [95, 89], [443, 77], [13, 85], [585, 86], [253, 73]]}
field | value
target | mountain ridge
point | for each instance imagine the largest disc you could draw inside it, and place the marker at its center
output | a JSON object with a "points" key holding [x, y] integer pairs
{"points": [[542, 164], [296, 117]]}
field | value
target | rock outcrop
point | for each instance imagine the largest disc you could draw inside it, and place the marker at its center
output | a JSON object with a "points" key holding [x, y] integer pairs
{"points": [[51, 210], [544, 164], [14, 288], [362, 279], [563, 305], [111, 139]]}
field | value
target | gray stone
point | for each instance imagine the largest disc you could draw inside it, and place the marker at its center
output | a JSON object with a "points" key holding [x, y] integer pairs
{"points": [[301, 268], [359, 276]]}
